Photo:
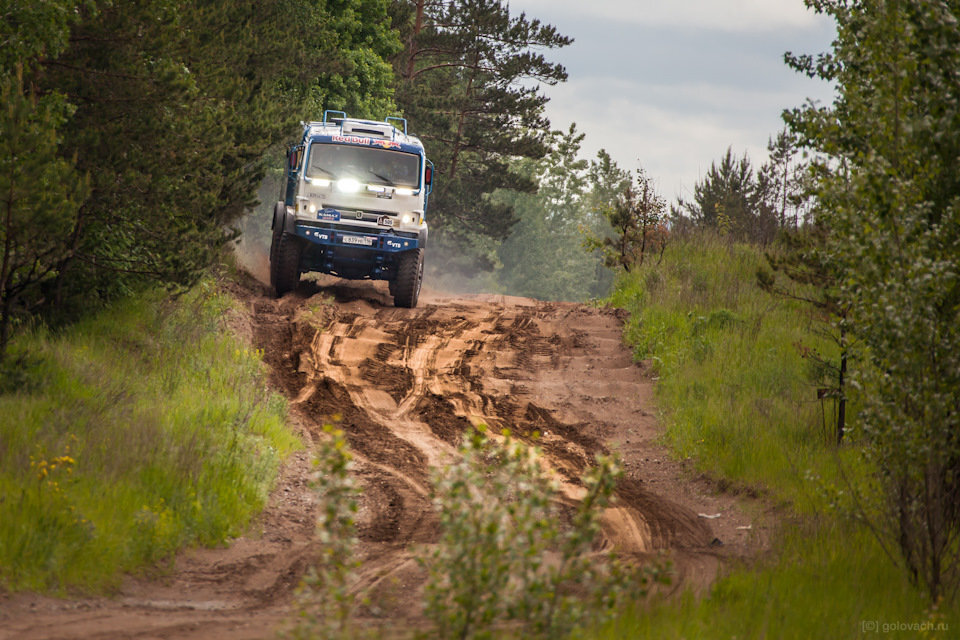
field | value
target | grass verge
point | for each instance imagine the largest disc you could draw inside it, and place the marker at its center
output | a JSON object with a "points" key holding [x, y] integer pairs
{"points": [[738, 393], [828, 581], [135, 432]]}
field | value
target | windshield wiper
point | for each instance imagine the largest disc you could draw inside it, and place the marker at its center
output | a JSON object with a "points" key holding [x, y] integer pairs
{"points": [[388, 181], [326, 171]]}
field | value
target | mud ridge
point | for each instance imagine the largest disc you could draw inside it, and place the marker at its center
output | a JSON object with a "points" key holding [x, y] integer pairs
{"points": [[404, 385]]}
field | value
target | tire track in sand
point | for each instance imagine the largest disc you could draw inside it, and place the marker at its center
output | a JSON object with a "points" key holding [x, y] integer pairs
{"points": [[405, 385], [468, 360]]}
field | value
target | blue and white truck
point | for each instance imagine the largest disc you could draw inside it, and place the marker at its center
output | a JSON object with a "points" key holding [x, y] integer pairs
{"points": [[354, 206]]}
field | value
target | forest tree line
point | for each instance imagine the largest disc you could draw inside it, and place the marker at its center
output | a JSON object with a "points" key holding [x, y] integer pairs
{"points": [[134, 135]]}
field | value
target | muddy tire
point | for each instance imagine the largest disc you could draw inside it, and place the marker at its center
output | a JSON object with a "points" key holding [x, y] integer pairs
{"points": [[406, 288], [279, 213], [285, 263]]}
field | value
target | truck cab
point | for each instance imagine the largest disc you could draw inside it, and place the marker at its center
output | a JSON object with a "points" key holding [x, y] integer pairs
{"points": [[354, 206]]}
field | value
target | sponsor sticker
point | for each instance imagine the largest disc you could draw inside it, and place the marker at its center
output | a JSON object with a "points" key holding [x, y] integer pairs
{"points": [[385, 144], [328, 214], [351, 139]]}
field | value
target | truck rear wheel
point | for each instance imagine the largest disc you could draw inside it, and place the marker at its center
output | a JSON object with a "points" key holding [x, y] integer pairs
{"points": [[406, 288], [285, 263]]}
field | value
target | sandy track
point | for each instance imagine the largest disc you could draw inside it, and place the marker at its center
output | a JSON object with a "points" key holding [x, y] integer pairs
{"points": [[405, 384]]}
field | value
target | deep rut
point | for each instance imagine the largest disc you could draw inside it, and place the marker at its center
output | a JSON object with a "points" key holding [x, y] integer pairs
{"points": [[404, 386]]}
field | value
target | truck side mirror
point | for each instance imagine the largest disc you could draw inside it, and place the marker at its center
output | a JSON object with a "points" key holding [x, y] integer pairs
{"points": [[294, 157]]}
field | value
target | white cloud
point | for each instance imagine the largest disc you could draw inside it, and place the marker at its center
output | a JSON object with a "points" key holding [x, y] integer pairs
{"points": [[726, 15], [674, 132], [670, 84]]}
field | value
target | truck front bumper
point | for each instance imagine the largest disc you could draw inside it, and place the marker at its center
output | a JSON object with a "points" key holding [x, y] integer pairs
{"points": [[358, 238], [354, 252]]}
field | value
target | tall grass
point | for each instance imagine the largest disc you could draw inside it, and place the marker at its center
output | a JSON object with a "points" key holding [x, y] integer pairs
{"points": [[829, 581], [137, 431], [738, 396], [738, 393]]}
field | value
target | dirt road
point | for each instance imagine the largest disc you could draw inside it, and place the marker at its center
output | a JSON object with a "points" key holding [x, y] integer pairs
{"points": [[405, 384]]}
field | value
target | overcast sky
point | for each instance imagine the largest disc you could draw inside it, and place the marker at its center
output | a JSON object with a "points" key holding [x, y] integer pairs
{"points": [[670, 84]]}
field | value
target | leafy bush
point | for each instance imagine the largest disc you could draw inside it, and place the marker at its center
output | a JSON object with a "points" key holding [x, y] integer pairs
{"points": [[504, 555], [324, 602]]}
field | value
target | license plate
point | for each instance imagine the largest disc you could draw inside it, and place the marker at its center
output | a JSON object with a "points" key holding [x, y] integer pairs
{"points": [[364, 240]]}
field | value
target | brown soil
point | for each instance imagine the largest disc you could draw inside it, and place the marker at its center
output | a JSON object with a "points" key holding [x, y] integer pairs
{"points": [[405, 384]]}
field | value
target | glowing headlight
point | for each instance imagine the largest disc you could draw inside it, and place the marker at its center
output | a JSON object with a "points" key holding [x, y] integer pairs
{"points": [[408, 218], [348, 185], [319, 182], [400, 191], [313, 208], [376, 189]]}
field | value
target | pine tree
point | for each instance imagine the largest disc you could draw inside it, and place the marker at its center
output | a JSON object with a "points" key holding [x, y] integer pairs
{"points": [[465, 82], [731, 200], [40, 190], [811, 276], [784, 177]]}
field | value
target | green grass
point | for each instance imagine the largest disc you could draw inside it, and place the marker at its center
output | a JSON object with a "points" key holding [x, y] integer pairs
{"points": [[135, 432], [831, 581], [738, 395], [739, 398]]}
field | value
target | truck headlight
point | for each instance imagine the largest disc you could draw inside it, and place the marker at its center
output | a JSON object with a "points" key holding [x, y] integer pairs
{"points": [[409, 218], [348, 185]]}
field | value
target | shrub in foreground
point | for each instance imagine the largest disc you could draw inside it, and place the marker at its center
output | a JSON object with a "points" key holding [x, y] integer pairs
{"points": [[504, 554]]}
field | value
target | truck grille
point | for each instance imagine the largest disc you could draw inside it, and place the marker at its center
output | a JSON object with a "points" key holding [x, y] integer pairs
{"points": [[361, 215], [356, 228]]}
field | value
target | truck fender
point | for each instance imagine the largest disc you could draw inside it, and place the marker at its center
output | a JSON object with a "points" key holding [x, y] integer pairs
{"points": [[281, 217], [289, 222], [279, 211], [423, 238]]}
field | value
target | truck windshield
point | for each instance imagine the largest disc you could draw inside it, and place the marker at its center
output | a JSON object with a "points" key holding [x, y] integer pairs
{"points": [[364, 164]]}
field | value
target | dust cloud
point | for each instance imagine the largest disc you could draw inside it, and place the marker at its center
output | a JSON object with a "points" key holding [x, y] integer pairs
{"points": [[252, 248]]}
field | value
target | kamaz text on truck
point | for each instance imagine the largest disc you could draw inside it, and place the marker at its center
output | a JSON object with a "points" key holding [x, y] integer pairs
{"points": [[354, 206]]}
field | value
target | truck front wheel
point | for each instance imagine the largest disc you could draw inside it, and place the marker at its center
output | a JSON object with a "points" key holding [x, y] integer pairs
{"points": [[279, 211], [285, 263], [406, 288]]}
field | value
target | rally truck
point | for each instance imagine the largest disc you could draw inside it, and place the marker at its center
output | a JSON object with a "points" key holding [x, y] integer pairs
{"points": [[353, 206]]}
